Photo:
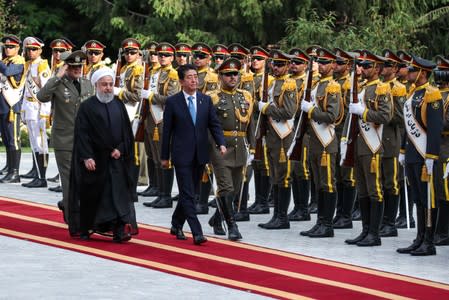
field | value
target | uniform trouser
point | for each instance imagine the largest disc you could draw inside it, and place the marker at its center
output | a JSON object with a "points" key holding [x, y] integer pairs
{"points": [[441, 184], [10, 130], [279, 170], [368, 177], [418, 188], [323, 176], [143, 169], [301, 169], [63, 161], [149, 155], [37, 133], [155, 145], [390, 175], [229, 179]]}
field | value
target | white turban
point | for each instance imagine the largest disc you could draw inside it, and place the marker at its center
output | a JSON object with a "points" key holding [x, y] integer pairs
{"points": [[100, 73]]}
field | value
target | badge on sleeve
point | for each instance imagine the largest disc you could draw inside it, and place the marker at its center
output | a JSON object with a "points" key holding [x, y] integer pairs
{"points": [[436, 105]]}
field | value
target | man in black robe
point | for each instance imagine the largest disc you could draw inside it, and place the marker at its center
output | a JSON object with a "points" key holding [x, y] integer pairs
{"points": [[103, 187]]}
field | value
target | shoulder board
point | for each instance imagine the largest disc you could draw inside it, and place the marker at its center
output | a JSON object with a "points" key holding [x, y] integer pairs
{"points": [[289, 85], [43, 65], [137, 70], [173, 74], [346, 85], [214, 96], [432, 94], [18, 60], [247, 77], [333, 87], [211, 77], [270, 80], [382, 89], [398, 90], [246, 94]]}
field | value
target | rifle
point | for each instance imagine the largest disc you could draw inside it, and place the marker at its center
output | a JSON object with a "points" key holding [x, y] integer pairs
{"points": [[353, 128], [261, 128], [139, 120], [117, 68], [294, 152]]}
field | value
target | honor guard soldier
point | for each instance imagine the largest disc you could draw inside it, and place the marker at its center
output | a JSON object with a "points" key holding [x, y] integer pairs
{"points": [[372, 111], [219, 54], [423, 119], [391, 140], [279, 112], [66, 90], [95, 52], [12, 81], [344, 174], [300, 169], [36, 115], [441, 76], [259, 60], [325, 111], [234, 108], [207, 79], [183, 54], [58, 47], [246, 76], [167, 85]]}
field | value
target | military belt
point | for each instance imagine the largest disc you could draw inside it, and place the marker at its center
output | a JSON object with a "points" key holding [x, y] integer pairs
{"points": [[234, 133]]}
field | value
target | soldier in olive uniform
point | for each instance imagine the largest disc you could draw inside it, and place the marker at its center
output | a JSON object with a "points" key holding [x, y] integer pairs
{"points": [[95, 52], [300, 169], [373, 110], [67, 89], [441, 76], [246, 76], [279, 112], [219, 54], [325, 110], [391, 139], [423, 119], [167, 85], [234, 108], [183, 54]]}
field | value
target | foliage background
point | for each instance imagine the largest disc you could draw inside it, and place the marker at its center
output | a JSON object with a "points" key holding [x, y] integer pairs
{"points": [[421, 27]]}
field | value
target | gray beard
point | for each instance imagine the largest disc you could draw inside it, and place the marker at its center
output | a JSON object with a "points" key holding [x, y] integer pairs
{"points": [[104, 97]]}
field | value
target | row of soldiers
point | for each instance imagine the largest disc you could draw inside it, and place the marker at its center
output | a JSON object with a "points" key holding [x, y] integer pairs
{"points": [[334, 126]]}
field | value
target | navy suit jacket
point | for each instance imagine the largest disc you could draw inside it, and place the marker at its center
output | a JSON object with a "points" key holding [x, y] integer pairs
{"points": [[188, 143]]}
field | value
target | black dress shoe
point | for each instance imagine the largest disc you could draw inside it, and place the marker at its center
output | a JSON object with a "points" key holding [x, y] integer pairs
{"points": [[178, 232], [122, 233], [57, 189], [61, 208], [84, 236], [54, 179], [199, 239], [36, 183], [175, 198], [149, 192]]}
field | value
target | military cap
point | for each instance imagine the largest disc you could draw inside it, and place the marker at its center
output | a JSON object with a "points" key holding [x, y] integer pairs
{"points": [[369, 58], [278, 55], [94, 45], [237, 50], [404, 56], [183, 48], [33, 42], [166, 48], [201, 48], [420, 63], [220, 49], [151, 46], [442, 63], [298, 54], [59, 44], [345, 56], [391, 57], [257, 51], [11, 40], [312, 50], [130, 43], [76, 58], [325, 56], [230, 65], [70, 44]]}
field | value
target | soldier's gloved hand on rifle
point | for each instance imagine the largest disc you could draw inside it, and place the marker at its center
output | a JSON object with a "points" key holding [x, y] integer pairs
{"points": [[261, 105], [401, 159], [446, 172], [146, 94], [117, 91], [343, 149], [356, 108], [306, 106], [429, 165]]}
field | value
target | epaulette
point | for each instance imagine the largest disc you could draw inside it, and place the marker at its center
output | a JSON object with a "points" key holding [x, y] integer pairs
{"points": [[211, 78], [289, 85], [382, 89], [270, 80], [214, 96], [247, 77], [43, 65], [333, 87], [246, 94], [173, 74], [398, 90], [346, 85], [432, 94], [137, 70], [18, 60]]}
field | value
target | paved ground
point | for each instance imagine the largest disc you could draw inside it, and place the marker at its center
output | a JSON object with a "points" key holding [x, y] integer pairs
{"points": [[33, 271]]}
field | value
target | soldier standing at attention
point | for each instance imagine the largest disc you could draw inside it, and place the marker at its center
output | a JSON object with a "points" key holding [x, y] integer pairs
{"points": [[373, 110], [219, 54], [234, 108], [423, 119], [95, 52], [183, 54], [12, 81], [324, 111], [280, 110]]}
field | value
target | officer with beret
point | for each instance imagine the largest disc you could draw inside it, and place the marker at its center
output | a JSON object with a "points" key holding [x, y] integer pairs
{"points": [[66, 90], [95, 51], [12, 81], [234, 108]]}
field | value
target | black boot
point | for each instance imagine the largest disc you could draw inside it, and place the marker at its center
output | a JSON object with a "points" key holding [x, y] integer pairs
{"points": [[40, 180], [373, 238], [216, 222], [401, 221], [319, 217], [364, 204], [54, 178], [328, 205], [8, 164], [242, 213], [302, 211], [33, 172], [281, 222], [228, 212], [201, 206], [13, 172], [347, 203], [442, 224], [427, 247], [152, 190], [274, 190], [262, 190], [159, 185], [313, 205], [388, 227], [4, 170], [165, 200], [419, 232], [339, 206], [356, 213]]}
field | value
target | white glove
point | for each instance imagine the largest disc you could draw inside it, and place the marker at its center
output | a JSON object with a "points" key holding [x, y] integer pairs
{"points": [[249, 159], [261, 105], [429, 165], [33, 70], [446, 172], [117, 91], [401, 159], [356, 108], [146, 94], [306, 106], [343, 149]]}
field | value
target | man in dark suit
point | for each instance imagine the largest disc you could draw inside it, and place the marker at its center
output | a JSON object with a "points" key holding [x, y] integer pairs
{"points": [[188, 116]]}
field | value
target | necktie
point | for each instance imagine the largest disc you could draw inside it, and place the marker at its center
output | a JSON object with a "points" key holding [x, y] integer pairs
{"points": [[192, 109], [77, 85]]}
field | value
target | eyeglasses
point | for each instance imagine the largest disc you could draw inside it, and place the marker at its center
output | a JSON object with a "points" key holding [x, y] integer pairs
{"points": [[297, 62], [342, 62], [389, 65], [32, 49], [59, 50], [258, 58], [164, 54], [132, 52], [94, 52], [199, 56], [181, 54], [367, 66], [231, 74], [324, 61], [10, 46], [278, 64], [219, 56]]}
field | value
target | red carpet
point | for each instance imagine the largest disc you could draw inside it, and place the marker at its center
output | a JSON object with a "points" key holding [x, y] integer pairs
{"points": [[242, 266]]}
